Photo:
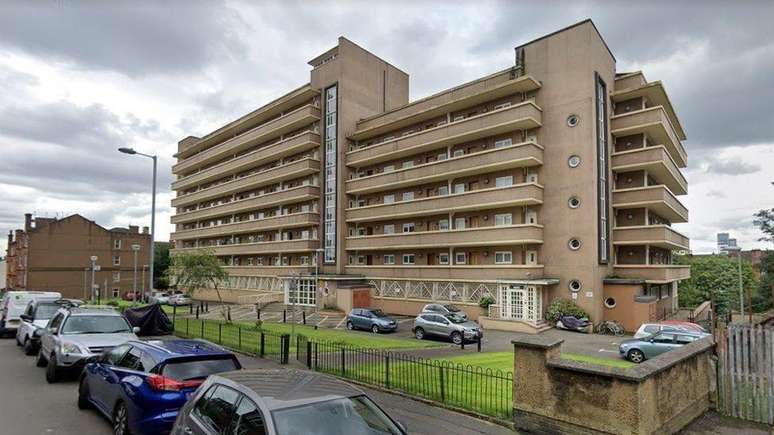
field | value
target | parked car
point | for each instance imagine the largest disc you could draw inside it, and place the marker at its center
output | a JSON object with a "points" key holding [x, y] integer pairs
{"points": [[444, 309], [638, 350], [140, 386], [13, 305], [451, 326], [76, 333], [131, 296], [281, 402], [37, 314], [370, 319], [159, 298], [648, 329], [179, 299]]}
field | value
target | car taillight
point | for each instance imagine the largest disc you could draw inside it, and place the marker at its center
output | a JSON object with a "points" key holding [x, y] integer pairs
{"points": [[161, 383]]}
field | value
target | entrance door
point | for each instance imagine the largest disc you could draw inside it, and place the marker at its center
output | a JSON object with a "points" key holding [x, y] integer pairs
{"points": [[513, 298]]}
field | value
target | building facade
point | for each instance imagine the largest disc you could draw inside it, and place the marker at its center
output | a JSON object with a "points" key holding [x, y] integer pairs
{"points": [[555, 177], [55, 255], [726, 244]]}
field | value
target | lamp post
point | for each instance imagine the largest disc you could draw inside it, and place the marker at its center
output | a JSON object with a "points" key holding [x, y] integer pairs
{"points": [[144, 266], [135, 249], [151, 254], [93, 268]]}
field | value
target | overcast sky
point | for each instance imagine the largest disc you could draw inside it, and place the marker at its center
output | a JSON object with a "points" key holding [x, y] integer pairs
{"points": [[82, 78]]}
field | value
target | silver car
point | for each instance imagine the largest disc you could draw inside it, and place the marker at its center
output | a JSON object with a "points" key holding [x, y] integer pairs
{"points": [[444, 309], [450, 326], [75, 334]]}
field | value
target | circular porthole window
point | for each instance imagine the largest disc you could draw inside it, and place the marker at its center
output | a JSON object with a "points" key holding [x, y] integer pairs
{"points": [[574, 161], [573, 120], [610, 302], [573, 202], [575, 285], [574, 244]]}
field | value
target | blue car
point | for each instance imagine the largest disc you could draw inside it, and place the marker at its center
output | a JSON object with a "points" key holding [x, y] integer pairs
{"points": [[141, 386]]}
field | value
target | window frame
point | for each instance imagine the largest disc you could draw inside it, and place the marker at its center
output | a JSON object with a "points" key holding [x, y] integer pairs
{"points": [[504, 253], [457, 258], [409, 256]]}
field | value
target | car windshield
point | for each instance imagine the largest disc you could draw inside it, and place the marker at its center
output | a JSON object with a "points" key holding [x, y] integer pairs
{"points": [[45, 311], [95, 325], [354, 415], [198, 369], [451, 308], [378, 313], [455, 318]]}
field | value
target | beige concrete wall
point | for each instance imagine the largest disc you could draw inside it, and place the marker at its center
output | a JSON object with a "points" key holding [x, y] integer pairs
{"points": [[412, 307], [629, 313]]}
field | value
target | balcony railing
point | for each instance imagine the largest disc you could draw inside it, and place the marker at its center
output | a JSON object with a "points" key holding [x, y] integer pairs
{"points": [[656, 198], [654, 92], [655, 123], [237, 271], [467, 272], [514, 156], [483, 236], [497, 197], [276, 246], [662, 236], [289, 122], [657, 161], [525, 115], [294, 220], [297, 169], [275, 151], [652, 273], [295, 194]]}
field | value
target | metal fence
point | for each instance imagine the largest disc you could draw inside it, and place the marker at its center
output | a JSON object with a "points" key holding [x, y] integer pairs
{"points": [[249, 340], [746, 372]]}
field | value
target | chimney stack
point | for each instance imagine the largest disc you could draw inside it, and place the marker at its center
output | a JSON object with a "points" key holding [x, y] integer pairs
{"points": [[134, 229], [27, 221], [145, 230]]}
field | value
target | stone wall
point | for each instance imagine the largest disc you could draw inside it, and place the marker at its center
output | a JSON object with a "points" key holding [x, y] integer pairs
{"points": [[659, 396]]}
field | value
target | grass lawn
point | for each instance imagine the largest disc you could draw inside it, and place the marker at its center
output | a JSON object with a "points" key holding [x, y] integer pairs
{"points": [[503, 361]]}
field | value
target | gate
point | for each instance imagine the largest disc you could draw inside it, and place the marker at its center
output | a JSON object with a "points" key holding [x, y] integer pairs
{"points": [[746, 372]]}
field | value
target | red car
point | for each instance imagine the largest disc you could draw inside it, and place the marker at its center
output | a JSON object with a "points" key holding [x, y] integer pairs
{"points": [[130, 296]]}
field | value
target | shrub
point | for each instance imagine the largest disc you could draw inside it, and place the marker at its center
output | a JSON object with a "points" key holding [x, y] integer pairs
{"points": [[112, 303], [486, 301], [564, 307]]}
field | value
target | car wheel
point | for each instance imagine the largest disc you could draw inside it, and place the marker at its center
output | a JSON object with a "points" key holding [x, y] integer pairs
{"points": [[52, 374], [29, 349], [350, 326], [83, 394], [635, 356], [375, 329], [121, 420], [456, 338], [18, 343], [40, 361], [419, 333]]}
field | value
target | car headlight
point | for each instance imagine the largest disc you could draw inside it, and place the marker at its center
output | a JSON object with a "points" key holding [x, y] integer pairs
{"points": [[68, 347]]}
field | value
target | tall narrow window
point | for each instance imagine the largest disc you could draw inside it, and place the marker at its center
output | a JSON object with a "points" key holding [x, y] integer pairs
{"points": [[603, 189], [331, 169]]}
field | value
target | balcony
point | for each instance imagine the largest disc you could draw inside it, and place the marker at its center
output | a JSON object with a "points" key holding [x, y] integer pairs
{"points": [[296, 194], [235, 271], [255, 158], [472, 272], [662, 236], [525, 115], [289, 171], [277, 246], [289, 122], [490, 88], [657, 161], [496, 197], [519, 155], [655, 123], [656, 198], [288, 221], [653, 273], [656, 95], [488, 236]]}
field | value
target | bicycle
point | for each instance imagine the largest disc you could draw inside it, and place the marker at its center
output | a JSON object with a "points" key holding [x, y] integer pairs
{"points": [[610, 327]]}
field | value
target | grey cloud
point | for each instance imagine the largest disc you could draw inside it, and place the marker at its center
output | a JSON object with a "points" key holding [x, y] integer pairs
{"points": [[131, 37], [716, 194], [731, 167]]}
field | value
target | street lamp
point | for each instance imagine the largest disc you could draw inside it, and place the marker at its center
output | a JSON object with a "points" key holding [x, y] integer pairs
{"points": [[131, 151], [93, 259], [135, 249], [317, 292]]}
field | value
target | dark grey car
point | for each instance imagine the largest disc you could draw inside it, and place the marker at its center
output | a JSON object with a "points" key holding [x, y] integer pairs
{"points": [[449, 326], [370, 319], [282, 402]]}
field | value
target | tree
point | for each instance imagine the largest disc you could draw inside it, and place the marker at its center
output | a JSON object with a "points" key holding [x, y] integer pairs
{"points": [[197, 270], [762, 300], [764, 220], [718, 276], [160, 266]]}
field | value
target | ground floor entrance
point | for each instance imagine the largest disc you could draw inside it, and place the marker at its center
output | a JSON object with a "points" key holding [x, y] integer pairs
{"points": [[520, 302], [301, 291]]}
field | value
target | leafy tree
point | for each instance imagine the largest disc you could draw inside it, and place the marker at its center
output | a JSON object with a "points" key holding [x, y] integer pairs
{"points": [[197, 270], [716, 275], [764, 220], [762, 300], [160, 266]]}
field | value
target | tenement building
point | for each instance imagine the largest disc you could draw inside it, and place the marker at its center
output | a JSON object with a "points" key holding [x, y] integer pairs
{"points": [[555, 177], [55, 255]]}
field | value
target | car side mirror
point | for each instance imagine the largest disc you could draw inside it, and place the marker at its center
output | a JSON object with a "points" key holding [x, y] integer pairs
{"points": [[26, 317], [136, 329]]}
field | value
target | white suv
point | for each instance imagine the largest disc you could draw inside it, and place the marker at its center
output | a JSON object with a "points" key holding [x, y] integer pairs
{"points": [[13, 305]]}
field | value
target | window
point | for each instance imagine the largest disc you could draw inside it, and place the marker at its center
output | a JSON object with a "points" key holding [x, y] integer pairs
{"points": [[389, 229], [116, 260], [503, 219], [459, 188], [575, 285], [331, 169], [408, 164], [460, 258], [503, 257], [610, 303], [388, 199], [116, 244], [574, 244], [458, 153], [361, 259], [530, 217], [664, 338], [574, 202], [408, 227], [504, 181], [116, 293], [574, 161], [443, 258], [114, 355], [459, 118], [459, 223], [685, 339], [443, 224], [502, 105], [441, 156], [502, 143], [573, 120], [116, 276], [389, 259], [408, 196], [247, 419], [408, 258], [304, 260], [389, 168], [531, 258], [214, 409], [602, 168]]}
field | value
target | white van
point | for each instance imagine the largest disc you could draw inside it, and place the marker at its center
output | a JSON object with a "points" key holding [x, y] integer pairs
{"points": [[13, 305]]}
